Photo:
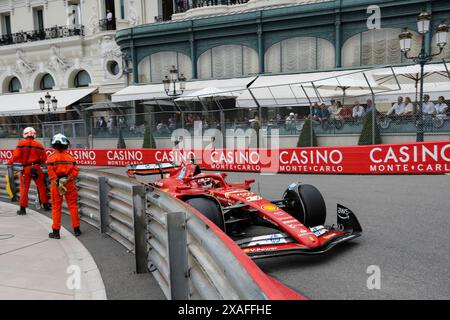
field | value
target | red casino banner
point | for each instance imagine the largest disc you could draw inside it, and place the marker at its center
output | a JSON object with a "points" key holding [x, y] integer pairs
{"points": [[405, 158]]}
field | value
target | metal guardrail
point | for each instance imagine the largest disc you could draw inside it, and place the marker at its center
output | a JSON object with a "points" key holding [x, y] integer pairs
{"points": [[188, 255]]}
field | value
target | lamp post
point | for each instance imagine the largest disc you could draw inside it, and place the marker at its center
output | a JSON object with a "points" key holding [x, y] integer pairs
{"points": [[423, 26], [172, 79], [49, 102]]}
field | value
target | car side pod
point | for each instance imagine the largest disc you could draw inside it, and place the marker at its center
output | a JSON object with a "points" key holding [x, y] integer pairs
{"points": [[347, 221]]}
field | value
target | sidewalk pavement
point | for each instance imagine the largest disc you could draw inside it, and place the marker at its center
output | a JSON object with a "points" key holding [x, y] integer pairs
{"points": [[32, 266]]}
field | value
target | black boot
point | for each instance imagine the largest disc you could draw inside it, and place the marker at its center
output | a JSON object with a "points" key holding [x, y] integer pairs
{"points": [[77, 231], [22, 211], [46, 207], [54, 234]]}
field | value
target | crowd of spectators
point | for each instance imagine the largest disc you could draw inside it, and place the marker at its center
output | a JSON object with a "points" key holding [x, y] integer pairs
{"points": [[405, 108], [290, 122], [337, 111]]}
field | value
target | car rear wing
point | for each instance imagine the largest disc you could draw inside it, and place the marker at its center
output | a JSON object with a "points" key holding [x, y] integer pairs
{"points": [[150, 169]]}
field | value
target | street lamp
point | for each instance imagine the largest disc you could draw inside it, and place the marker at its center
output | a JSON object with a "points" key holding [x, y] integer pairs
{"points": [[49, 102], [173, 78], [423, 26]]}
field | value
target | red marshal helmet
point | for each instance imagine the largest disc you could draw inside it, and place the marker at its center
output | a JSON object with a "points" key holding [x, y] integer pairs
{"points": [[29, 132]]}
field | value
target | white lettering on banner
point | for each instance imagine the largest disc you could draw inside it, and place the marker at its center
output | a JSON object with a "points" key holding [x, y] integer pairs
{"points": [[81, 155], [174, 156], [234, 157], [405, 168], [311, 157], [124, 155], [426, 158], [312, 169], [6, 154], [405, 154]]}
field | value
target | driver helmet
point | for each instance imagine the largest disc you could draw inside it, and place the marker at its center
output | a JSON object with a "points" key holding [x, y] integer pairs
{"points": [[205, 183], [60, 142], [29, 133]]}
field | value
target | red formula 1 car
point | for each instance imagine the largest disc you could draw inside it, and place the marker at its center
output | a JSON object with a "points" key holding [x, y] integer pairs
{"points": [[262, 228]]}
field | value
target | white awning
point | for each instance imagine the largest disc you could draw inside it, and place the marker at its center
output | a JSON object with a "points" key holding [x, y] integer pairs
{"points": [[209, 92], [285, 90], [156, 91], [27, 103]]}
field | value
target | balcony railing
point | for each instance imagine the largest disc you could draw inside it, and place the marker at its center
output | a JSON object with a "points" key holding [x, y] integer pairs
{"points": [[37, 35], [184, 5], [106, 24]]}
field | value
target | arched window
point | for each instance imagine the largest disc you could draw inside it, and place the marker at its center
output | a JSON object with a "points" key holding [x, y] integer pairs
{"points": [[300, 54], [156, 66], [376, 47], [445, 53], [14, 85], [47, 82], [227, 61], [82, 79]]}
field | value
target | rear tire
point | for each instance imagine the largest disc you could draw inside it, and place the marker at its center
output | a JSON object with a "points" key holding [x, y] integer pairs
{"points": [[306, 204], [210, 209]]}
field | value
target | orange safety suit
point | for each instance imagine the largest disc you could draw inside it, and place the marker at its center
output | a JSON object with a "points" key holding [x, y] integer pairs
{"points": [[62, 164], [30, 154]]}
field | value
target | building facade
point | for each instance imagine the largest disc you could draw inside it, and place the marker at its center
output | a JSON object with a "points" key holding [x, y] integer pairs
{"points": [[58, 45], [229, 39]]}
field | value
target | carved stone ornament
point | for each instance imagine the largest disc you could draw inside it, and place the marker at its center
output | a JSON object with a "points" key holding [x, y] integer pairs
{"points": [[23, 66]]}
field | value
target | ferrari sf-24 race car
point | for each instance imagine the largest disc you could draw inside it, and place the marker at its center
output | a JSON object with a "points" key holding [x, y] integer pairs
{"points": [[262, 228]]}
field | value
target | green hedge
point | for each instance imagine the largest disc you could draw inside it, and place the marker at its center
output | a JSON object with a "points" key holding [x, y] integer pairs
{"points": [[366, 134], [149, 140], [305, 136]]}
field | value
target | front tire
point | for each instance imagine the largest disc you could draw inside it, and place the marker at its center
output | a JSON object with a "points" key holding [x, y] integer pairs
{"points": [[306, 204], [210, 209]]}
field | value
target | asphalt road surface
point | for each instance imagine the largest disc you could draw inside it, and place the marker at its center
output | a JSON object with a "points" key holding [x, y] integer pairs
{"points": [[406, 220]]}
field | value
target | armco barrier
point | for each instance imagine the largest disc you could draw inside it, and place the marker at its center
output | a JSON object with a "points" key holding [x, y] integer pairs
{"points": [[187, 254], [405, 158]]}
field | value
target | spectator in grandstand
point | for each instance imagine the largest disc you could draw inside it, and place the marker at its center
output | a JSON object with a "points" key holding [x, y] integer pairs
{"points": [[172, 124], [101, 124], [398, 108], [123, 123], [325, 114], [162, 128], [409, 107], [346, 113], [370, 106], [428, 107], [335, 109], [290, 122], [189, 124], [316, 112], [279, 119], [111, 125], [358, 111], [441, 107]]}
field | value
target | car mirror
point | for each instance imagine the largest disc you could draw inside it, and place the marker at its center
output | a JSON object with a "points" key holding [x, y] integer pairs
{"points": [[249, 181]]}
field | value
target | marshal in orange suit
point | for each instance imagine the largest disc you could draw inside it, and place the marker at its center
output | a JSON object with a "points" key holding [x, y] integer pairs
{"points": [[30, 155], [63, 170]]}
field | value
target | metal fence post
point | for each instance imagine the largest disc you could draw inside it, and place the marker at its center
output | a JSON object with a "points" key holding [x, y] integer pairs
{"points": [[103, 190], [12, 183], [178, 257], [140, 229]]}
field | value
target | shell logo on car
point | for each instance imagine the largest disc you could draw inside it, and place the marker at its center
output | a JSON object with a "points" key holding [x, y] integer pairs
{"points": [[270, 207]]}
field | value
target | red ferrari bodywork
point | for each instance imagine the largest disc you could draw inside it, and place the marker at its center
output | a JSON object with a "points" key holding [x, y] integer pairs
{"points": [[187, 181]]}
